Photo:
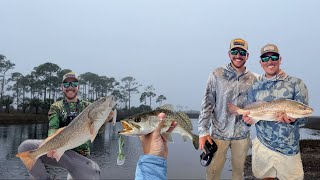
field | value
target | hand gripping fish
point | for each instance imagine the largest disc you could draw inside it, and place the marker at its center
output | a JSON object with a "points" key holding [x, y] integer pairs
{"points": [[84, 127], [146, 122]]}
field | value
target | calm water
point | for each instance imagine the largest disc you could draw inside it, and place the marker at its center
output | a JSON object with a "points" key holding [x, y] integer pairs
{"points": [[183, 160]]}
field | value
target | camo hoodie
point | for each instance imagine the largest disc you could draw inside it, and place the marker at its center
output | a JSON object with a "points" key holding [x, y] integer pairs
{"points": [[225, 86], [278, 136], [57, 119]]}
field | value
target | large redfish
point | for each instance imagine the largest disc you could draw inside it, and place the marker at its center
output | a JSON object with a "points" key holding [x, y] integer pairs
{"points": [[84, 127]]}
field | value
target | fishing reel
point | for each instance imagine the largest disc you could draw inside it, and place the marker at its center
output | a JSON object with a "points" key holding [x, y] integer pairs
{"points": [[205, 158]]}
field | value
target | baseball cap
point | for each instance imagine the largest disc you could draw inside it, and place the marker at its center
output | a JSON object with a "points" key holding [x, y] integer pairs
{"points": [[240, 43], [70, 75], [269, 48]]}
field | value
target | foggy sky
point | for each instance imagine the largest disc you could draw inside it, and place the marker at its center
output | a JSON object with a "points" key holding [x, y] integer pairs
{"points": [[170, 44]]}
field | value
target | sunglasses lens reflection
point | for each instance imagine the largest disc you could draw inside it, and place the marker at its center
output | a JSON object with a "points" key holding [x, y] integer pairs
{"points": [[236, 51], [73, 84]]}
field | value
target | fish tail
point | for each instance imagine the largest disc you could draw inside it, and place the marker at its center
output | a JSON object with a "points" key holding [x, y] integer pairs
{"points": [[195, 141], [27, 158], [233, 109]]}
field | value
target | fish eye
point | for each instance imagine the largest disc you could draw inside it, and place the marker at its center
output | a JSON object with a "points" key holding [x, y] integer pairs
{"points": [[137, 120]]}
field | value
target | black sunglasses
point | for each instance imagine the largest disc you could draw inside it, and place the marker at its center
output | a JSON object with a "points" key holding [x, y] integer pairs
{"points": [[73, 84], [272, 57], [236, 51]]}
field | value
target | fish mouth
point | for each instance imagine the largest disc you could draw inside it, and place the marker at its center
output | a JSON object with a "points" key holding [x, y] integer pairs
{"points": [[128, 128]]}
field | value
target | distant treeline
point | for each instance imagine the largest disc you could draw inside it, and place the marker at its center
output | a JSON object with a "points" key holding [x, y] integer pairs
{"points": [[36, 91], [193, 115]]}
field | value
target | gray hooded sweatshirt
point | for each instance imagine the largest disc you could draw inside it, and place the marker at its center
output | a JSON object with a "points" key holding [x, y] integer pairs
{"points": [[225, 86]]}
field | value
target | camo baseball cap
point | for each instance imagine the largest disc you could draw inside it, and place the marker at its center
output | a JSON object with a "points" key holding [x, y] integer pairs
{"points": [[240, 43], [269, 48], [70, 75]]}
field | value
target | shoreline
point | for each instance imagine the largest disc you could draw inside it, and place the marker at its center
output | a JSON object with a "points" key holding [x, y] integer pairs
{"points": [[312, 122], [27, 118], [20, 118]]}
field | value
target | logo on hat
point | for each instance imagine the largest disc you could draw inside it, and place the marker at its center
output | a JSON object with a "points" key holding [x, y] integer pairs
{"points": [[269, 48], [69, 75], [240, 43]]}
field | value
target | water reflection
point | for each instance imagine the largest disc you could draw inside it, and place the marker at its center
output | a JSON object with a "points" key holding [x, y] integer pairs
{"points": [[183, 161]]}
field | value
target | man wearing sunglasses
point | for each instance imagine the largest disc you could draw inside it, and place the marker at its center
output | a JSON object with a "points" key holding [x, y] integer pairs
{"points": [[275, 151], [227, 84], [61, 113]]}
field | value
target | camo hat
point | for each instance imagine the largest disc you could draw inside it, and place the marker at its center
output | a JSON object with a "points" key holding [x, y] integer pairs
{"points": [[269, 48], [70, 75], [240, 43]]}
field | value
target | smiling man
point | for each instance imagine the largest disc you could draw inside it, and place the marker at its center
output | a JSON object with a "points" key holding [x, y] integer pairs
{"points": [[276, 151], [227, 84], [76, 161]]}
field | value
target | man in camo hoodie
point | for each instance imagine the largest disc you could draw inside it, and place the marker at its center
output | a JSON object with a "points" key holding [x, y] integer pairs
{"points": [[76, 161], [227, 84], [275, 151]]}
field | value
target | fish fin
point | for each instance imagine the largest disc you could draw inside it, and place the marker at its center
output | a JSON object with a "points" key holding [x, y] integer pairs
{"points": [[93, 131], [93, 137], [27, 159], [186, 119], [51, 136], [195, 141], [167, 136], [233, 109], [56, 154], [114, 119], [166, 107], [51, 153], [184, 138]]}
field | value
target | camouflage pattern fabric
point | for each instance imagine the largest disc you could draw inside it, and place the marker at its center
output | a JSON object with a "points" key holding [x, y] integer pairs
{"points": [[58, 118], [225, 86], [278, 136]]}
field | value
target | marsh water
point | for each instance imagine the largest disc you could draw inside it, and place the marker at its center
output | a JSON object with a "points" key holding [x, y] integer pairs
{"points": [[183, 160]]}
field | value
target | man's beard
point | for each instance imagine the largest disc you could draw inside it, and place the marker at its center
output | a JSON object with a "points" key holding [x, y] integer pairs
{"points": [[237, 66], [71, 98]]}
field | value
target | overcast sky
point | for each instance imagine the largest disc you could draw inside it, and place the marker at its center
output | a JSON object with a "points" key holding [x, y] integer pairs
{"points": [[170, 44]]}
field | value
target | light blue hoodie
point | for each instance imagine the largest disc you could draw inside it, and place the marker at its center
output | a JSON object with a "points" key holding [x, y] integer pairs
{"points": [[150, 167]]}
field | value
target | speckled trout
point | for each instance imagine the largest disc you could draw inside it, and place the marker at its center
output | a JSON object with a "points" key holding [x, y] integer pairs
{"points": [[268, 110], [146, 122], [84, 127]]}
